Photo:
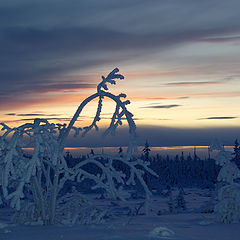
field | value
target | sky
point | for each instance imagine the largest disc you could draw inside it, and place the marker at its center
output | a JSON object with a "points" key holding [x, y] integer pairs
{"points": [[180, 60]]}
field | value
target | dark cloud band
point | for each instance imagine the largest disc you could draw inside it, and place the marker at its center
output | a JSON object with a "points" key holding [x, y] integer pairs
{"points": [[217, 118], [163, 106]]}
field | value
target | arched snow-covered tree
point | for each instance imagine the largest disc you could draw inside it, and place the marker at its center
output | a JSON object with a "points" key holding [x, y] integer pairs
{"points": [[44, 173]]}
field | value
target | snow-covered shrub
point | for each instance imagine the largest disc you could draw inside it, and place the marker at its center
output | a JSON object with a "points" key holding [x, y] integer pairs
{"points": [[176, 203], [75, 207], [170, 203], [134, 211], [228, 206], [180, 201], [44, 173], [207, 207], [161, 233]]}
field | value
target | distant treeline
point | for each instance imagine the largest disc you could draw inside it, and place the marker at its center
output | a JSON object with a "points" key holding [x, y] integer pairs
{"points": [[173, 172], [184, 172]]}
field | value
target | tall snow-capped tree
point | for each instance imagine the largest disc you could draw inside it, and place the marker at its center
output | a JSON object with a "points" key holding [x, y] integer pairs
{"points": [[228, 206], [45, 172]]}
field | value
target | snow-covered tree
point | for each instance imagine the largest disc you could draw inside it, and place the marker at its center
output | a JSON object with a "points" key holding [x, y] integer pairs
{"points": [[44, 173], [180, 201], [170, 202], [228, 206]]}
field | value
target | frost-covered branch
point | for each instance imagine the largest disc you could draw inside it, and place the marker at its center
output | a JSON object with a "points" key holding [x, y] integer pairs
{"points": [[109, 79], [120, 113], [45, 171], [110, 177], [100, 94]]}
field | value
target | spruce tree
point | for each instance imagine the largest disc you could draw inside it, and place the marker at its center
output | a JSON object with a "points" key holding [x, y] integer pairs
{"points": [[170, 202], [146, 151], [120, 152], [236, 153], [180, 201], [92, 152]]}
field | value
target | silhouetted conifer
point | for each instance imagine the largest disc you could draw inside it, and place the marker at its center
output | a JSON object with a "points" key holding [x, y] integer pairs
{"points": [[236, 153], [146, 151]]}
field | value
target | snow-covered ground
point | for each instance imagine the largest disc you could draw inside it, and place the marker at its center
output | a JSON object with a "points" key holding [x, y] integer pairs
{"points": [[189, 224]]}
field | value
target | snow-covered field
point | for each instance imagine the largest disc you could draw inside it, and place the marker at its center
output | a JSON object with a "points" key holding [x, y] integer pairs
{"points": [[189, 224]]}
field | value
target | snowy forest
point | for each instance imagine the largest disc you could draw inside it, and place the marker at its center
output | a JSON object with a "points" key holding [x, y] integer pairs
{"points": [[122, 196]]}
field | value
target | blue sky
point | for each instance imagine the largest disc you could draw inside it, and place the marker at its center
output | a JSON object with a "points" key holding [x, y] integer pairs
{"points": [[180, 60]]}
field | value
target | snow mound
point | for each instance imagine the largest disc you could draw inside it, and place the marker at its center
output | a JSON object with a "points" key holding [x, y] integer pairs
{"points": [[3, 225], [205, 222], [161, 232]]}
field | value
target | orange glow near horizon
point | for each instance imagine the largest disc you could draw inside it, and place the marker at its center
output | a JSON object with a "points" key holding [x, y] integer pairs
{"points": [[176, 75], [152, 110], [187, 97]]}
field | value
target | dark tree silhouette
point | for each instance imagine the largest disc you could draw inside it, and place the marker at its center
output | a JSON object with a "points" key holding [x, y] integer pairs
{"points": [[236, 153], [120, 152], [146, 151], [92, 152]]}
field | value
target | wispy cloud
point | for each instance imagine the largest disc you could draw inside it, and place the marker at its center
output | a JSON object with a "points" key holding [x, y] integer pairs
{"points": [[217, 118], [10, 114], [163, 106], [168, 98], [164, 119], [30, 114], [20, 102], [158, 74], [56, 87], [215, 94], [192, 84], [38, 47], [61, 119], [221, 39]]}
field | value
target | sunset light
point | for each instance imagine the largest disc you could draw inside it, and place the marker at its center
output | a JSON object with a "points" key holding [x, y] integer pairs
{"points": [[178, 74], [119, 119]]}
